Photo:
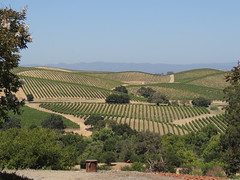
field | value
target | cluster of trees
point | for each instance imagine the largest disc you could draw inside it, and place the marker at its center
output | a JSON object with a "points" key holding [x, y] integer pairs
{"points": [[153, 96], [201, 101], [123, 97], [118, 98]]}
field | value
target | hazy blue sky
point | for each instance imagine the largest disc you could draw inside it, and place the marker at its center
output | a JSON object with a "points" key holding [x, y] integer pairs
{"points": [[154, 31]]}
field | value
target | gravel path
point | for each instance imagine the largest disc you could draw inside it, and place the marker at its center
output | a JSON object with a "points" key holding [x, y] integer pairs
{"points": [[82, 175]]}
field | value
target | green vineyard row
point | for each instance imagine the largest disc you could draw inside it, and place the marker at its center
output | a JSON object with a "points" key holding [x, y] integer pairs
{"points": [[132, 111]]}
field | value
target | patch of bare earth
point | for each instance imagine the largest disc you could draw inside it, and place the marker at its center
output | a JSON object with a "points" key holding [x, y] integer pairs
{"points": [[188, 177], [187, 120], [172, 79], [83, 175], [53, 68], [83, 128]]}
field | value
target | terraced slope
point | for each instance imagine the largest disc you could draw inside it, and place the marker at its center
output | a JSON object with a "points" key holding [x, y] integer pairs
{"points": [[48, 89], [218, 121], [133, 77], [71, 77], [139, 116], [183, 91]]}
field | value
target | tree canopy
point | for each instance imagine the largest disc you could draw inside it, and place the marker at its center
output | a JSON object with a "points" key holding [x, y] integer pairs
{"points": [[14, 36], [231, 139], [118, 98]]}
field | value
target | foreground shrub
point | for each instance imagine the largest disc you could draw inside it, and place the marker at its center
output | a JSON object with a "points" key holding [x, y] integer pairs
{"points": [[35, 149], [12, 176], [11, 123], [213, 168], [136, 166]]}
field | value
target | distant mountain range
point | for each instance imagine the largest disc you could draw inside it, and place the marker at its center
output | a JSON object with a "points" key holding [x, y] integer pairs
{"points": [[145, 67]]}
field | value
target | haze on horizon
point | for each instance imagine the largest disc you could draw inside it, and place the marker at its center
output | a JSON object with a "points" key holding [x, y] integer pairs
{"points": [[136, 31]]}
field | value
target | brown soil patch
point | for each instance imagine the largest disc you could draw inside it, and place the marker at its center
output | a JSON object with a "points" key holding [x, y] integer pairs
{"points": [[188, 177], [187, 120], [171, 78]]}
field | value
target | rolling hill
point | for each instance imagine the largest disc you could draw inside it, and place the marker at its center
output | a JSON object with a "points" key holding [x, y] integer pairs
{"points": [[82, 93]]}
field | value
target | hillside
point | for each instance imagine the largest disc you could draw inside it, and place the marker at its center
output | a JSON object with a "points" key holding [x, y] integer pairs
{"points": [[83, 93]]}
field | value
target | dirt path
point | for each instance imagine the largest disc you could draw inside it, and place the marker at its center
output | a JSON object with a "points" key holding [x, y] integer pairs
{"points": [[187, 120], [83, 175], [20, 94], [83, 128], [171, 78]]}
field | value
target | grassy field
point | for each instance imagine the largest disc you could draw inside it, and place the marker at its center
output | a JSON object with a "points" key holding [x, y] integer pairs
{"points": [[31, 117]]}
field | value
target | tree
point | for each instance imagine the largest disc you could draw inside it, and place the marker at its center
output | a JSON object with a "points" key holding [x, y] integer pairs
{"points": [[115, 98], [108, 157], [11, 123], [92, 120], [30, 97], [231, 139], [36, 149], [158, 98], [122, 89], [54, 122], [201, 101], [14, 36], [145, 92]]}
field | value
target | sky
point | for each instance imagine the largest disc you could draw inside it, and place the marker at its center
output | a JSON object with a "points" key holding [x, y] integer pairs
{"points": [[134, 31]]}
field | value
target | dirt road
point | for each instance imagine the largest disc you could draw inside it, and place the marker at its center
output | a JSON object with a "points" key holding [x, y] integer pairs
{"points": [[83, 175]]}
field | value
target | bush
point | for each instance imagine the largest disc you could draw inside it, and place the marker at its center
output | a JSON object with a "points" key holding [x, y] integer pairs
{"points": [[11, 123], [145, 92], [92, 120], [201, 101], [108, 157], [213, 108], [35, 149], [158, 98], [115, 98], [136, 166], [30, 97], [54, 122], [122, 89]]}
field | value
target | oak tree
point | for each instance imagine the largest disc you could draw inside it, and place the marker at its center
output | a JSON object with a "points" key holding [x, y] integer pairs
{"points": [[14, 36]]}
